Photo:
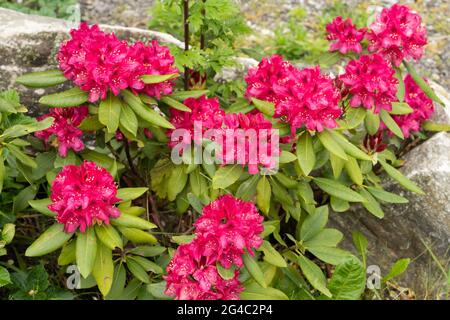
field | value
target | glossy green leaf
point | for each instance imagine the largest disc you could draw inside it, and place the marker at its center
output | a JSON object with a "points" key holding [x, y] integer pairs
{"points": [[338, 190], [329, 255], [360, 242], [158, 78], [41, 206], [177, 181], [372, 122], [256, 292], [127, 194], [263, 194], [371, 204], [349, 147], [86, 251], [129, 221], [70, 98], [268, 108], [400, 108], [109, 236], [109, 112], [138, 236], [314, 223], [386, 196], [103, 271], [314, 275], [348, 281], [354, 171], [42, 79], [68, 254], [272, 256], [400, 178], [226, 176], [326, 238], [254, 270], [138, 271], [391, 124], [331, 145], [305, 153], [422, 83], [397, 269], [53, 238], [175, 104]]}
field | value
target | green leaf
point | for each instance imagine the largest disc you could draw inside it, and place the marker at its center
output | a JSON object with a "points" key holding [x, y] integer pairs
{"points": [[286, 181], [360, 242], [287, 157], [400, 108], [254, 291], [314, 223], [109, 112], [247, 189], [7, 106], [103, 271], [305, 153], [129, 120], [145, 112], [354, 117], [175, 104], [53, 238], [91, 123], [183, 239], [338, 190], [42, 206], [422, 83], [432, 126], [21, 200], [254, 270], [109, 236], [391, 124], [177, 181], [148, 265], [42, 79], [371, 204], [330, 144], [68, 254], [118, 285], [263, 195], [148, 251], [8, 232], [372, 122], [349, 147], [127, 194], [138, 236], [329, 255], [337, 164], [138, 271], [129, 221], [400, 178], [314, 275], [339, 205], [348, 281], [397, 269], [20, 130], [5, 279], [86, 251], [70, 98], [183, 95], [354, 171], [268, 108], [195, 202], [158, 78], [2, 172], [22, 157], [226, 274], [386, 196], [272, 256], [325, 237], [226, 176]]}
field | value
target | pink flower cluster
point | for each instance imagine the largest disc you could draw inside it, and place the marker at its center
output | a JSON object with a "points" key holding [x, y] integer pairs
{"points": [[397, 33], [215, 125], [371, 82], [422, 106], [83, 195], [301, 97], [98, 62], [254, 133], [64, 128], [227, 227], [345, 36], [204, 111]]}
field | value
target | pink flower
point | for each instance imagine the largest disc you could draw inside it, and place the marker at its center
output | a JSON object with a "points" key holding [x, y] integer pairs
{"points": [[248, 139], [205, 112], [371, 82], [83, 195], [64, 128], [398, 33], [422, 106], [192, 276], [227, 227], [301, 97], [235, 225], [98, 62], [152, 59], [345, 36]]}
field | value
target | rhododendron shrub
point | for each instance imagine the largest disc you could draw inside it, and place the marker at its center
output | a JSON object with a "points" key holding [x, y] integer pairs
{"points": [[239, 191]]}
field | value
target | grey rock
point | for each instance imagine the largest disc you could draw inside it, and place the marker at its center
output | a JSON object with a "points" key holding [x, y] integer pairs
{"points": [[30, 43]]}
